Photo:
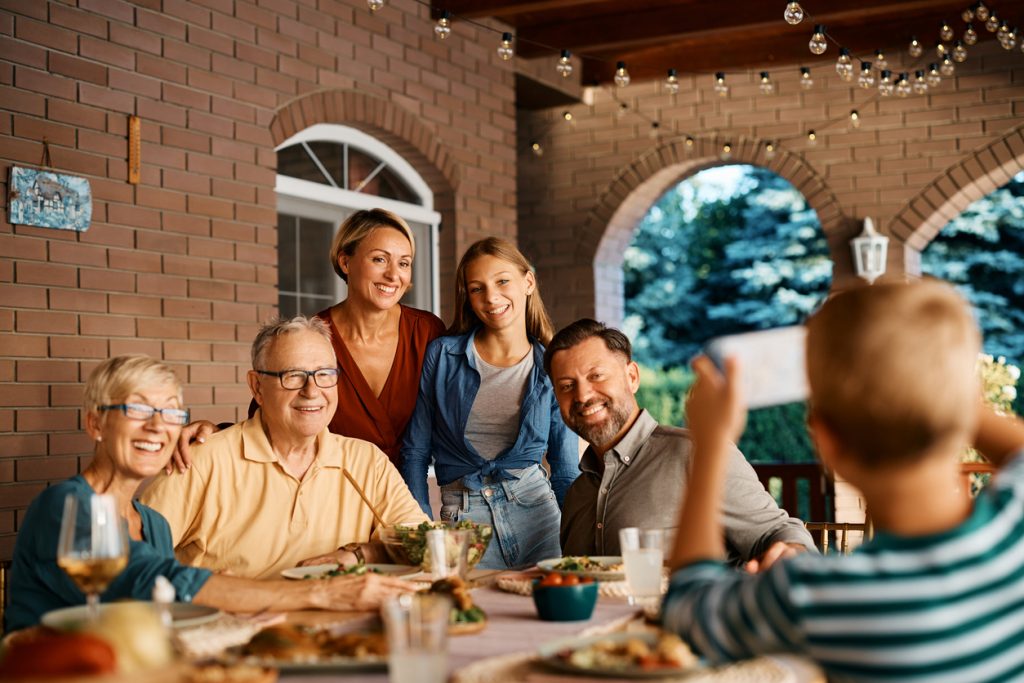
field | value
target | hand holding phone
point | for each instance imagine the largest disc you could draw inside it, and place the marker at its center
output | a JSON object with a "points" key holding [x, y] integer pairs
{"points": [[772, 362]]}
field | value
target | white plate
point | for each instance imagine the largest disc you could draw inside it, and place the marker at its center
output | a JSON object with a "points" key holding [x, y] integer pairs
{"points": [[549, 655], [599, 574], [318, 570], [183, 614]]}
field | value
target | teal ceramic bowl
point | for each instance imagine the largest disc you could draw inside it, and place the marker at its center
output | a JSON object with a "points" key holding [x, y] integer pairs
{"points": [[565, 603]]}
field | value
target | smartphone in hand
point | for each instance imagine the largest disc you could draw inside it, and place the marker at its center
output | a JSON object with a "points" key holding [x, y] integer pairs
{"points": [[773, 364]]}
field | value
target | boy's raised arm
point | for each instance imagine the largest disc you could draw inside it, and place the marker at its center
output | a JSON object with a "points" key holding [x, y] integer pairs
{"points": [[999, 436], [715, 416]]}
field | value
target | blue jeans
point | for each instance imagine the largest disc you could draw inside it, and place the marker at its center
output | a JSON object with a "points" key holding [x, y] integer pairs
{"points": [[523, 512]]}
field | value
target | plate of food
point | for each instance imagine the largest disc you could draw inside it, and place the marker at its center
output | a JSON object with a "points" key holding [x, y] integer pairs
{"points": [[293, 648], [648, 654], [600, 567], [466, 616], [326, 571], [183, 615]]}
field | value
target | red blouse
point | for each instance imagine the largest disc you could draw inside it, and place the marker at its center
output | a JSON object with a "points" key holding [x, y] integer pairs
{"points": [[381, 420]]}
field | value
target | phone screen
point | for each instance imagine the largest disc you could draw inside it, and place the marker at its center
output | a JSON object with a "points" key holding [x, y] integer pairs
{"points": [[773, 367]]}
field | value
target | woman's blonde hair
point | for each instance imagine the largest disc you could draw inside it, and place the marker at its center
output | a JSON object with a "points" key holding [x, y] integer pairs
{"points": [[538, 324], [116, 379], [358, 226]]}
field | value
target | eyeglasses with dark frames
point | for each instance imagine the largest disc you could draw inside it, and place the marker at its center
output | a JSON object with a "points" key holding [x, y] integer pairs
{"points": [[325, 378], [140, 411]]}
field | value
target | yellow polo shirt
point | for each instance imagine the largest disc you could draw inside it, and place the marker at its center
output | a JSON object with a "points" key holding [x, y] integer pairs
{"points": [[237, 509]]}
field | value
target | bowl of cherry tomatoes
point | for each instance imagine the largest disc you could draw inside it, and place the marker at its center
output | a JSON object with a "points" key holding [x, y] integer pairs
{"points": [[567, 597]]}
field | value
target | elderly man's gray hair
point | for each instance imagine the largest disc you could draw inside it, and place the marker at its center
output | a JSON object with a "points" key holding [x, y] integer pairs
{"points": [[281, 326]]}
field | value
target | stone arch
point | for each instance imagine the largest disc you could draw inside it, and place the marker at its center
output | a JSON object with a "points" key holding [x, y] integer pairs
{"points": [[406, 134], [609, 227], [981, 173]]}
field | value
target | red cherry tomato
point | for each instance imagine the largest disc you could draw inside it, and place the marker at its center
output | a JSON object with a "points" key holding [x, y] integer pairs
{"points": [[587, 579], [571, 580], [552, 580]]}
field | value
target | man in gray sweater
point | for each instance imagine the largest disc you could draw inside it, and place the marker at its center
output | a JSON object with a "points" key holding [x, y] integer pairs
{"points": [[634, 470]]}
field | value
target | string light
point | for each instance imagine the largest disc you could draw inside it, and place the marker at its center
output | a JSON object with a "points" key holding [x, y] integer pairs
{"points": [[720, 86], [867, 76], [689, 143], [993, 23], [374, 5], [655, 129], [915, 49], [806, 82], [885, 86], [959, 52], [818, 44], [946, 31], [903, 88], [946, 66], [881, 63], [794, 13], [855, 118], [844, 65], [537, 149], [920, 84], [767, 87], [505, 50], [621, 75], [970, 35], [812, 138], [443, 29], [1010, 41], [940, 49], [672, 82], [567, 115], [934, 77], [981, 11], [968, 14], [1004, 29], [564, 66], [623, 110], [769, 150], [727, 150]]}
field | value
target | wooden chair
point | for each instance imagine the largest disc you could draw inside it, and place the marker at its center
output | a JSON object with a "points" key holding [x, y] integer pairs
{"points": [[824, 531], [819, 500]]}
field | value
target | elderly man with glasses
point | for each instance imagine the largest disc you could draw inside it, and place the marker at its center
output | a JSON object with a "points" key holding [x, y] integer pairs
{"points": [[273, 492]]}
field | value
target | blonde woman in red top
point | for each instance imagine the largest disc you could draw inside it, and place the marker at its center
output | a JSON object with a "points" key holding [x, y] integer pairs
{"points": [[379, 343]]}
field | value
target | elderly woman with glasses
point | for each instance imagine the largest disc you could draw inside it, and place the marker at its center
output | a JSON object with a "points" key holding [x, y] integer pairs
{"points": [[280, 489], [134, 414]]}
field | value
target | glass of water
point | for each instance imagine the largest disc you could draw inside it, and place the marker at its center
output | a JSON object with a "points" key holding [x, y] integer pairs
{"points": [[643, 552], [417, 630]]}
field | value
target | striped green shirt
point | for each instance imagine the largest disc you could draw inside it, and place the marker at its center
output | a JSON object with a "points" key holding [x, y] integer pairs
{"points": [[946, 607]]}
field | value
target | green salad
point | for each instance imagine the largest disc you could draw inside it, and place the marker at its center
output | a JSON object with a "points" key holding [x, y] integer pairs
{"points": [[355, 570], [412, 542]]}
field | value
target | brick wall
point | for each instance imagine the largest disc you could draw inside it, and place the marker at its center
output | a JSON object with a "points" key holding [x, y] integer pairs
{"points": [[184, 265]]}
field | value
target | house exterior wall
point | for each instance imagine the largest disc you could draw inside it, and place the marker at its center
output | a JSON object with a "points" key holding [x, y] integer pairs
{"points": [[183, 266]]}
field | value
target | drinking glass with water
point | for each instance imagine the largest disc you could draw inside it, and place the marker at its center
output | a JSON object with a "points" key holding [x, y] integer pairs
{"points": [[643, 553], [417, 630]]}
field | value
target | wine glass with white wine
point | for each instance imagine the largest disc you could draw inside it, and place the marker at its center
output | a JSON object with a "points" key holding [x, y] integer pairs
{"points": [[92, 550]]}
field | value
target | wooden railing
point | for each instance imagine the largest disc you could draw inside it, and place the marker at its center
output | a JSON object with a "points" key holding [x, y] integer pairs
{"points": [[814, 499]]}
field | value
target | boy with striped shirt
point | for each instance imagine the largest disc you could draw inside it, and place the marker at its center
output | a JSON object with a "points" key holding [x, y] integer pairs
{"points": [[938, 594]]}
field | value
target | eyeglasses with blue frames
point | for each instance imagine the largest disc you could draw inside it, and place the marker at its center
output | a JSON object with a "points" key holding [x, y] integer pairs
{"points": [[140, 411], [325, 378]]}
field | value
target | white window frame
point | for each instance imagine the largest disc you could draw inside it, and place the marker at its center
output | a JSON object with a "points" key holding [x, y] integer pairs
{"points": [[319, 201]]}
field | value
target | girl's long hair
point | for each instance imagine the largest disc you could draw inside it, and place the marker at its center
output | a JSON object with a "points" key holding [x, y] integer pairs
{"points": [[538, 323]]}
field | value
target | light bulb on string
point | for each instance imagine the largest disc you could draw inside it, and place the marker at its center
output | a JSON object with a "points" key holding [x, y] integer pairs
{"points": [[855, 118], [885, 86], [655, 130], [934, 77], [920, 84], [622, 110], [769, 150], [793, 14], [1011, 39], [946, 31], [867, 76], [844, 65], [564, 65], [568, 117], [915, 49], [726, 151], [1004, 28], [946, 66], [812, 138], [443, 28], [374, 5], [981, 11], [903, 88], [537, 149], [689, 144], [940, 49], [767, 87], [959, 52], [992, 24], [881, 63], [505, 50], [672, 82], [968, 14], [806, 82], [621, 75], [970, 35], [818, 43], [720, 86]]}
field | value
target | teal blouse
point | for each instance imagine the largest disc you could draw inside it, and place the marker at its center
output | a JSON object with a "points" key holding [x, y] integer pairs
{"points": [[38, 585]]}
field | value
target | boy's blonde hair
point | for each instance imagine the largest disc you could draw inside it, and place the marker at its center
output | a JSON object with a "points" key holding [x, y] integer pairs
{"points": [[359, 225], [116, 379], [892, 370]]}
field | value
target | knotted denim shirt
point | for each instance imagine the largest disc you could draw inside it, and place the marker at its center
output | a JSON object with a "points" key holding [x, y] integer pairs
{"points": [[437, 431]]}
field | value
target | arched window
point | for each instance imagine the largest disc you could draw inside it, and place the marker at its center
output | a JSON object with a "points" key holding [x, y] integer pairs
{"points": [[324, 174]]}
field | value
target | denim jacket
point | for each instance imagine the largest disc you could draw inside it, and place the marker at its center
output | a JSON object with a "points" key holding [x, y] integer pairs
{"points": [[437, 430]]}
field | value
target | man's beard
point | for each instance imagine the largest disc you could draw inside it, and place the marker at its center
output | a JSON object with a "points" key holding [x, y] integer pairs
{"points": [[601, 433]]}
